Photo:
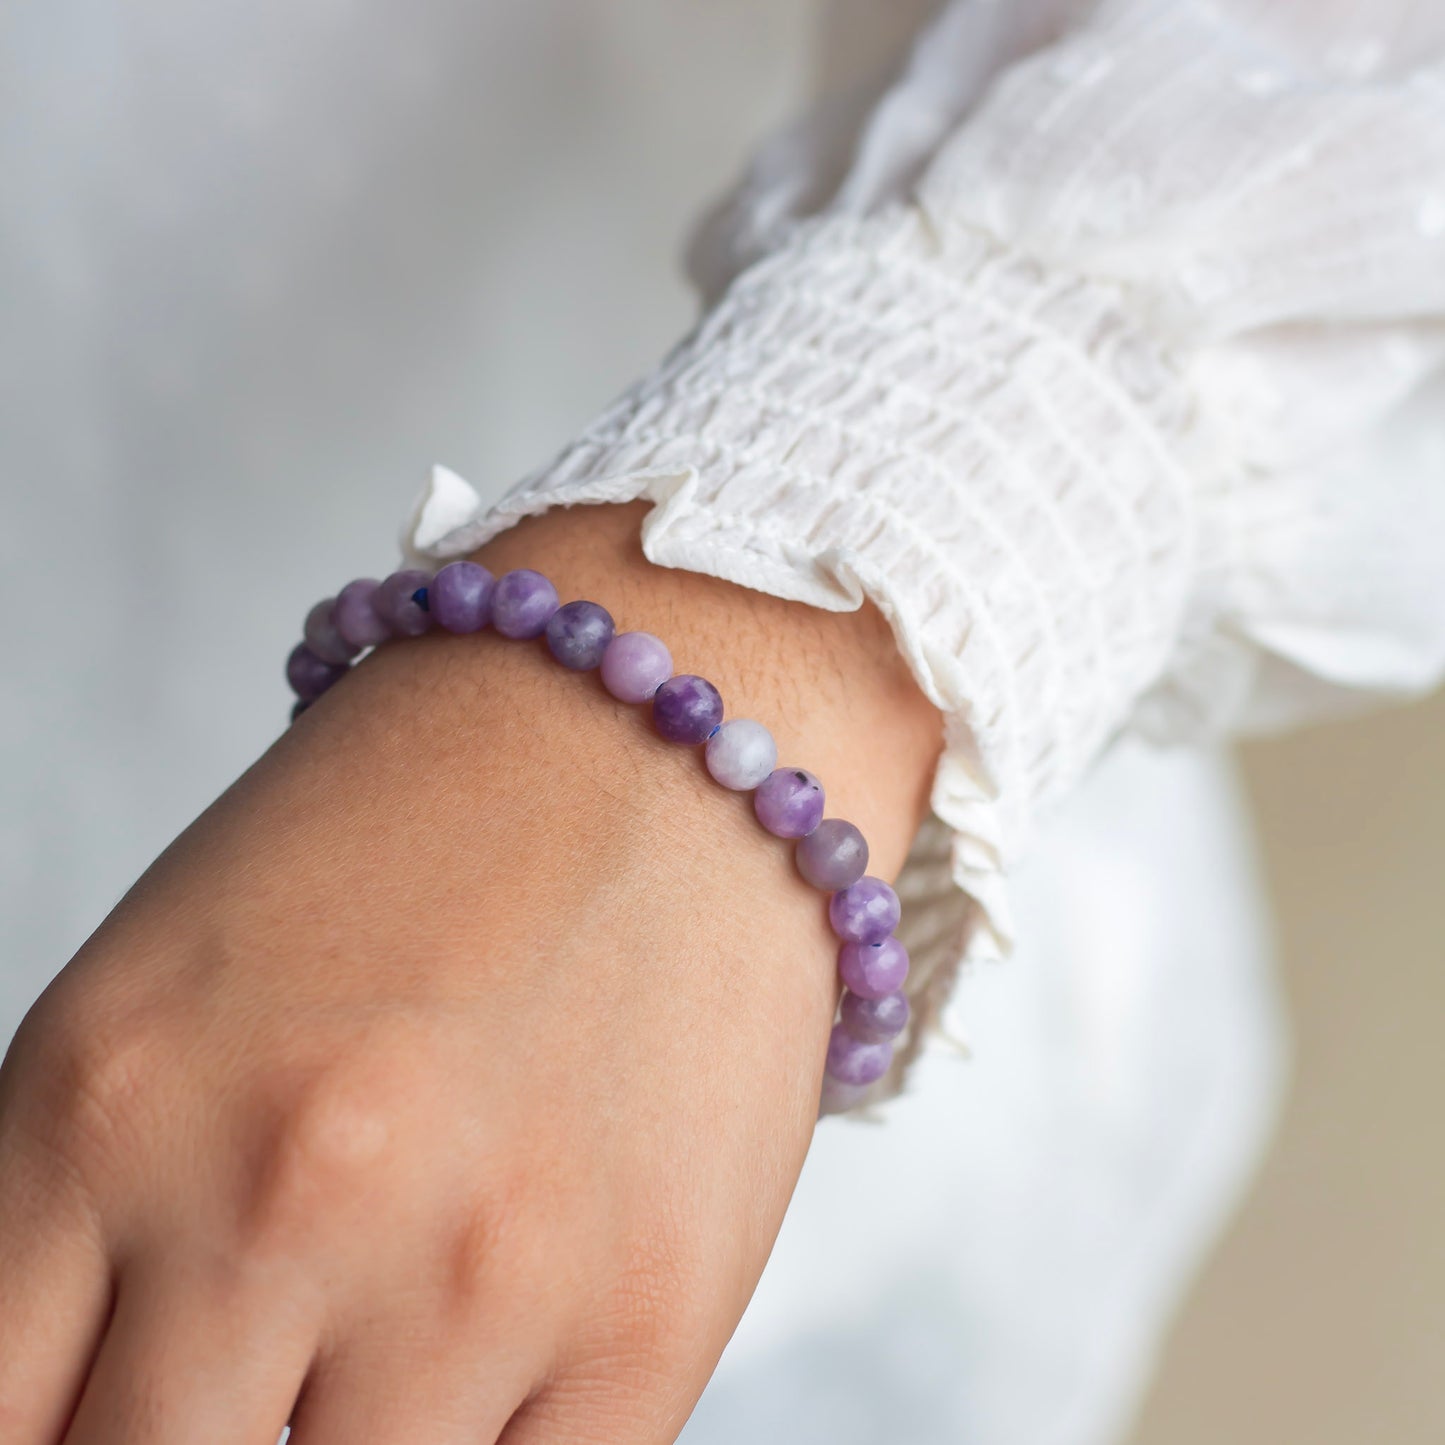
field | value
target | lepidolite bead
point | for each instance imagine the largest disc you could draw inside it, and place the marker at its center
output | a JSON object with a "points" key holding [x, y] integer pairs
{"points": [[875, 1020], [873, 970], [686, 708], [459, 597], [522, 603], [789, 802], [851, 1061], [322, 637], [395, 605], [741, 753], [834, 855], [837, 1097], [635, 665], [866, 912], [578, 634], [355, 615], [310, 675]]}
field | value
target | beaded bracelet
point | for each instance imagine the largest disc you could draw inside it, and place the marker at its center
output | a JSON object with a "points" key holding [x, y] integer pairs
{"points": [[636, 667]]}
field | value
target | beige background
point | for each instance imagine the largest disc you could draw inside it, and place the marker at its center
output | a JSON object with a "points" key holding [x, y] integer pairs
{"points": [[1322, 1316]]}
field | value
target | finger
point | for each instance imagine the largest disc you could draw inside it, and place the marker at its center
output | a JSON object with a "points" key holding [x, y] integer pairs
{"points": [[198, 1351], [599, 1409], [55, 1291], [413, 1384]]}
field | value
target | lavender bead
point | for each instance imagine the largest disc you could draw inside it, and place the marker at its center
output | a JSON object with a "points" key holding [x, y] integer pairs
{"points": [[838, 1098], [873, 970], [875, 1020], [578, 634], [322, 637], [686, 708], [355, 616], [310, 675], [459, 597], [394, 605], [789, 802], [851, 1061], [522, 603], [866, 912], [635, 665], [741, 753], [834, 855]]}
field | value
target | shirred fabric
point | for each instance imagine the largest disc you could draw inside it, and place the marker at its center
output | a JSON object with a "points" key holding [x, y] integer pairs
{"points": [[1093, 374]]}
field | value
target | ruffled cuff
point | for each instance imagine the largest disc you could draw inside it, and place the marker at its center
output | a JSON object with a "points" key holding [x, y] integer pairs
{"points": [[970, 442]]}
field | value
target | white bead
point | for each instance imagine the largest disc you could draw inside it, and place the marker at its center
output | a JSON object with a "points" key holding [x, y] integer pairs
{"points": [[741, 753]]}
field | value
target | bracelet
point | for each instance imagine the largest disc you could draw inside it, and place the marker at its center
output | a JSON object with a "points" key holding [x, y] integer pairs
{"points": [[636, 667]]}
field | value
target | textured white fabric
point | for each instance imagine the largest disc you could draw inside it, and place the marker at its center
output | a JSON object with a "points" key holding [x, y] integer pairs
{"points": [[1079, 371]]}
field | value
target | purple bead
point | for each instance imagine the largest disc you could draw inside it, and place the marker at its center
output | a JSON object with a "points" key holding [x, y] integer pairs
{"points": [[322, 637], [866, 912], [789, 802], [522, 603], [578, 634], [355, 616], [834, 855], [310, 675], [875, 1020], [872, 970], [741, 753], [635, 665], [686, 708], [397, 608], [851, 1061], [459, 597], [838, 1098]]}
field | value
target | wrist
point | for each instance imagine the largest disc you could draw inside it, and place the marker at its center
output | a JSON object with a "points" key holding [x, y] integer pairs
{"points": [[831, 686]]}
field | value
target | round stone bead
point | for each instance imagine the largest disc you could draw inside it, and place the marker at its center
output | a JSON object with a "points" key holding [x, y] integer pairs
{"points": [[323, 638], [355, 616], [875, 1020], [310, 675], [873, 970], [838, 1098], [635, 665], [789, 802], [522, 603], [394, 604], [851, 1061], [578, 634], [686, 708], [741, 753], [834, 855], [459, 597], [866, 912]]}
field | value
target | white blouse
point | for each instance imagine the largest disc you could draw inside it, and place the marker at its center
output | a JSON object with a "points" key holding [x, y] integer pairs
{"points": [[1090, 349]]}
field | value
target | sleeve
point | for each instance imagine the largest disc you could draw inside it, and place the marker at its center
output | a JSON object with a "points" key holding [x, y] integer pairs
{"points": [[1106, 363]]}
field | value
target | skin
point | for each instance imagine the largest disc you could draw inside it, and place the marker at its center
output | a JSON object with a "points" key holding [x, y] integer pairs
{"points": [[448, 1078]]}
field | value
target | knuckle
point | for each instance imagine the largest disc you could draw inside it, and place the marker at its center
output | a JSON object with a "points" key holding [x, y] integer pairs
{"points": [[326, 1145], [77, 1092], [84, 1085], [657, 1318]]}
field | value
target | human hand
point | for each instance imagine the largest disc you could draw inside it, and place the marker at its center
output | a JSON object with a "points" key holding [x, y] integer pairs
{"points": [[447, 1080]]}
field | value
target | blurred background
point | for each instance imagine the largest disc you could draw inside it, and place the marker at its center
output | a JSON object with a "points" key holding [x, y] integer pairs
{"points": [[261, 264]]}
